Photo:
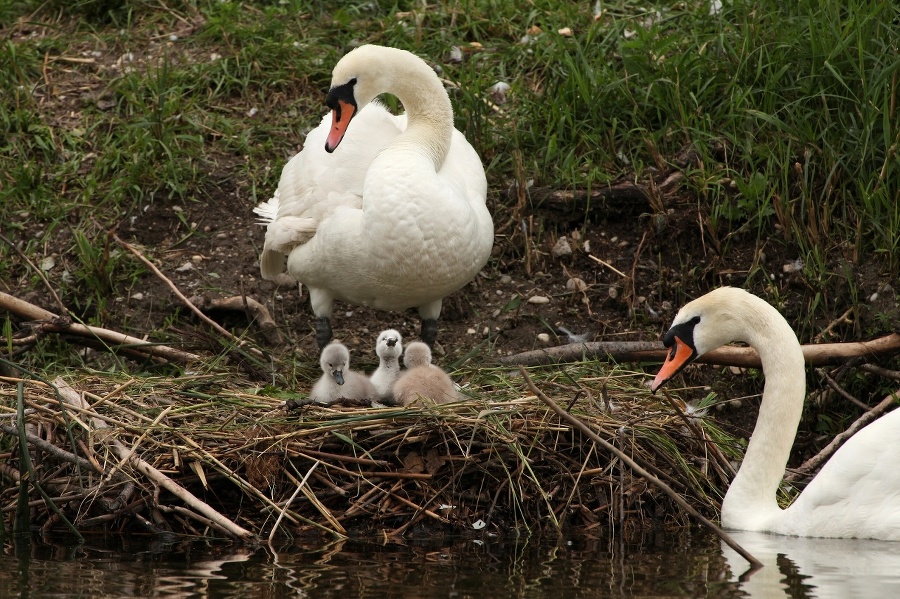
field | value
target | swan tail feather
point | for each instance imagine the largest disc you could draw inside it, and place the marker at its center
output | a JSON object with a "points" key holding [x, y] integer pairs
{"points": [[267, 211]]}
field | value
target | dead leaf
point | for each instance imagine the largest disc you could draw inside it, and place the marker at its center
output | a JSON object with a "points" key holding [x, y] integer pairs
{"points": [[413, 463]]}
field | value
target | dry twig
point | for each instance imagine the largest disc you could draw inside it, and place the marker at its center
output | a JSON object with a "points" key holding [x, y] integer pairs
{"points": [[227, 334], [211, 516], [39, 272]]}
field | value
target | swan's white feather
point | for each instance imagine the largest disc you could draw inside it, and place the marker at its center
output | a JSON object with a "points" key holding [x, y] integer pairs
{"points": [[857, 492]]}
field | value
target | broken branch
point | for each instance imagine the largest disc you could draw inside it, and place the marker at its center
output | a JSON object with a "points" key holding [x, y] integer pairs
{"points": [[254, 310], [215, 325], [745, 357]]}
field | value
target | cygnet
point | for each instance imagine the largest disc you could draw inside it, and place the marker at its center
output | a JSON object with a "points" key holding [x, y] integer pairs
{"points": [[389, 346], [338, 381], [422, 378]]}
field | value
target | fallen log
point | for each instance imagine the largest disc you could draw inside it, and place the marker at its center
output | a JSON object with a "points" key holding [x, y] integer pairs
{"points": [[577, 199], [50, 322], [821, 354]]}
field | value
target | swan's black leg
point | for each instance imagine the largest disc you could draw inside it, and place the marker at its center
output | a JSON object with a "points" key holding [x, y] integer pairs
{"points": [[429, 331], [323, 331]]}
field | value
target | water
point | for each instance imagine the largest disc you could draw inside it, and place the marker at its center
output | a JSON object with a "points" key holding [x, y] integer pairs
{"points": [[682, 565], [822, 568]]}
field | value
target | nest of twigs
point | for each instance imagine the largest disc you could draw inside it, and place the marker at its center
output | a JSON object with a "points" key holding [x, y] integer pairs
{"points": [[186, 456]]}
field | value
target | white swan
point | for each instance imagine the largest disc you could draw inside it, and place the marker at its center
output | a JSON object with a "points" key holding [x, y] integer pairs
{"points": [[422, 378], [337, 380], [388, 211], [388, 347], [855, 495]]}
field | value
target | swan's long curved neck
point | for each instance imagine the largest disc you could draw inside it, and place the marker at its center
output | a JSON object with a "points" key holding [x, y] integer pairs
{"points": [[428, 111], [752, 494]]}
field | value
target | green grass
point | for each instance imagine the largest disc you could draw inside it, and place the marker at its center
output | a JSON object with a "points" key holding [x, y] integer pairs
{"points": [[791, 108]]}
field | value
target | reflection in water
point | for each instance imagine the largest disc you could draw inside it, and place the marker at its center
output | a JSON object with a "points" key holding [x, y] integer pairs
{"points": [[671, 565], [682, 565], [125, 570], [822, 568]]}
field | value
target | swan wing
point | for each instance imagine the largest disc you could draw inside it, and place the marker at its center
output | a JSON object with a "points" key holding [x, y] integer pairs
{"points": [[314, 183], [463, 168], [857, 492]]}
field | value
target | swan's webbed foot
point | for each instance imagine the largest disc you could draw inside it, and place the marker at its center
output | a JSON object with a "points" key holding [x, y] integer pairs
{"points": [[323, 331], [429, 331]]}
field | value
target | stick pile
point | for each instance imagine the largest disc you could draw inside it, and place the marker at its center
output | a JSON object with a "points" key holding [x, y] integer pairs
{"points": [[186, 456]]}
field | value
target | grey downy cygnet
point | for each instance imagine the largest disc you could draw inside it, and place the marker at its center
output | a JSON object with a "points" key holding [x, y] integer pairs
{"points": [[337, 380], [422, 379], [388, 347]]}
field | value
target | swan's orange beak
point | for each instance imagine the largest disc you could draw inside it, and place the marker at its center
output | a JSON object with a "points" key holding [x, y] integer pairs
{"points": [[679, 356], [340, 119]]}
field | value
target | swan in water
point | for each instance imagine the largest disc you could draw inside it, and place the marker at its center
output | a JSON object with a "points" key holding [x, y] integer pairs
{"points": [[422, 378], [380, 210], [388, 347], [337, 380], [855, 495]]}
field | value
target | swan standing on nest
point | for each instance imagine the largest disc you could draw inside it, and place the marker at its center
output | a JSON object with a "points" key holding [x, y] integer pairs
{"points": [[855, 495], [380, 210]]}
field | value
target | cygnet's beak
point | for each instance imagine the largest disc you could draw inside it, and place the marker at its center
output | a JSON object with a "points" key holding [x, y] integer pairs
{"points": [[391, 341], [338, 376]]}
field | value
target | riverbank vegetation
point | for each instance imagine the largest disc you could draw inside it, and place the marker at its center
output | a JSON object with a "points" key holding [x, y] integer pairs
{"points": [[637, 155]]}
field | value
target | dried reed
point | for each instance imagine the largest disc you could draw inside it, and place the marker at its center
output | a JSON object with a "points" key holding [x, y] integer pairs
{"points": [[501, 461]]}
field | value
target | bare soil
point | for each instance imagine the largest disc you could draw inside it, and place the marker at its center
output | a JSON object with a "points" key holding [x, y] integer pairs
{"points": [[616, 269]]}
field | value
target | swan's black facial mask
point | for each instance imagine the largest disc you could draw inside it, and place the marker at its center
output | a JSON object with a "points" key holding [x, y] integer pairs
{"points": [[342, 102], [680, 341]]}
